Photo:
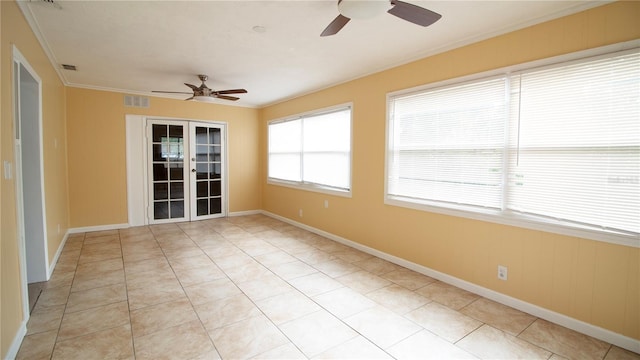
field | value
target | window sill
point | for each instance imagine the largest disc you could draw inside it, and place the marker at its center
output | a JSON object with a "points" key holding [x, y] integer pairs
{"points": [[311, 187], [519, 220]]}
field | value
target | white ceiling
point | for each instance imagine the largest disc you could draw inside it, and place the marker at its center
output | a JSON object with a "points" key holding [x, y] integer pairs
{"points": [[140, 46]]}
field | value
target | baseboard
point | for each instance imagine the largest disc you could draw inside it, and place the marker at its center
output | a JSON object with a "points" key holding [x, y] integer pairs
{"points": [[244, 213], [17, 341], [597, 332], [53, 263], [97, 228], [125, 226]]}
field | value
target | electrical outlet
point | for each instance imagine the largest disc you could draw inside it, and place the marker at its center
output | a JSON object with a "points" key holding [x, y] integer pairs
{"points": [[502, 272], [300, 212], [326, 204]]}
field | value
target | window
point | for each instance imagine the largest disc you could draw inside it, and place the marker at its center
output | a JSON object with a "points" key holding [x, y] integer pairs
{"points": [[555, 145], [312, 150]]}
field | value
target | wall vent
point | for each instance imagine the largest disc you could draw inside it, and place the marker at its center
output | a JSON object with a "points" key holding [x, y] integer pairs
{"points": [[69, 67], [136, 101]]}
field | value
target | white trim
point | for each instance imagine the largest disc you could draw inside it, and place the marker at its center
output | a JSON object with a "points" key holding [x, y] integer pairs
{"points": [[22, 251], [98, 228], [136, 152], [245, 213], [12, 353], [309, 187], [314, 112], [42, 181], [609, 336], [305, 186], [18, 57], [54, 262], [226, 199]]}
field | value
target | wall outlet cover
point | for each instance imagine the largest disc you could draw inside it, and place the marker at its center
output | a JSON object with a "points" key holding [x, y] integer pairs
{"points": [[502, 272]]}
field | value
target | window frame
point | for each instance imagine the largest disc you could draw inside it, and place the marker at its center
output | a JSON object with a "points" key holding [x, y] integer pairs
{"points": [[505, 216], [308, 186]]}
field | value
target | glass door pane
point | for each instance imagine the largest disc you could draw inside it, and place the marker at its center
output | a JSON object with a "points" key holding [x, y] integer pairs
{"points": [[168, 184], [207, 165]]}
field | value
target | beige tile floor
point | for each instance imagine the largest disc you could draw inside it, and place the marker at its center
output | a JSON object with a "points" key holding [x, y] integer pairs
{"points": [[254, 287]]}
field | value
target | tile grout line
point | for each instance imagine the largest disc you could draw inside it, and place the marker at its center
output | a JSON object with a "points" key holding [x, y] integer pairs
{"points": [[187, 296], [306, 296], [126, 291], [252, 301], [296, 236], [64, 312]]}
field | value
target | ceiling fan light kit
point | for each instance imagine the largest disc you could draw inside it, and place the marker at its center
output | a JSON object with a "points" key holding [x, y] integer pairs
{"points": [[201, 98], [365, 9]]}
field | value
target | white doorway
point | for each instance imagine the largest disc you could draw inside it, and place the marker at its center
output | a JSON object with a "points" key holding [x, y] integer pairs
{"points": [[29, 172], [185, 170]]}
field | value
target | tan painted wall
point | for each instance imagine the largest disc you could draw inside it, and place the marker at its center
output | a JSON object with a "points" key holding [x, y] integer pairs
{"points": [[97, 152], [15, 30], [592, 281]]}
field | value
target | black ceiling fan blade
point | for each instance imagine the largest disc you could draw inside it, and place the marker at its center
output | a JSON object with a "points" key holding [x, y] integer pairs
{"points": [[232, 91], [336, 25], [172, 92], [232, 98], [413, 13]]}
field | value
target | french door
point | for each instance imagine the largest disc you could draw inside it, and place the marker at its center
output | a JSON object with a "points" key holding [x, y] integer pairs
{"points": [[186, 171]]}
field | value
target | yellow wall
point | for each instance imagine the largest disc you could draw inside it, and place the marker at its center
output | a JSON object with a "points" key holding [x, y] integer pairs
{"points": [[97, 163], [15, 30], [592, 281]]}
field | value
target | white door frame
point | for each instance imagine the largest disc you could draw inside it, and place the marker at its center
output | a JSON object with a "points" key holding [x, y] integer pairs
{"points": [[31, 229], [137, 165]]}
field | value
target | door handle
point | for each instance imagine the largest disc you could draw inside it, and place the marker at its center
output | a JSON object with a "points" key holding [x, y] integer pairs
{"points": [[193, 170]]}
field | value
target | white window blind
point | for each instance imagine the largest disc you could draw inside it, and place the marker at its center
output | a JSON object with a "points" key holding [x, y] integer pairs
{"points": [[314, 149], [285, 150], [578, 152], [447, 144], [560, 143]]}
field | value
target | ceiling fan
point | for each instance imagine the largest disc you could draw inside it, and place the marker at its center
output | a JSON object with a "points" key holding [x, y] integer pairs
{"points": [[358, 9], [204, 93]]}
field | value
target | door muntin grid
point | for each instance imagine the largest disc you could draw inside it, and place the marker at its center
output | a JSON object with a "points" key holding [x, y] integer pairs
{"points": [[168, 165], [208, 159]]}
